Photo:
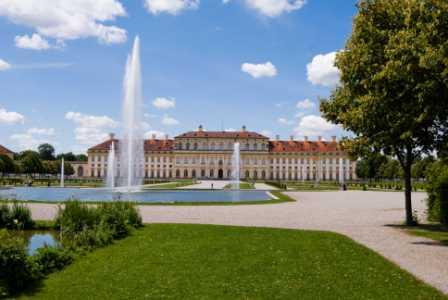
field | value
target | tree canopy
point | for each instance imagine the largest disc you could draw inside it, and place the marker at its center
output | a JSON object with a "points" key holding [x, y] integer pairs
{"points": [[46, 152], [393, 93]]}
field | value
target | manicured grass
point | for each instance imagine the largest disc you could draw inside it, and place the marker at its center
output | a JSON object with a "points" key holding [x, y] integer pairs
{"points": [[243, 186], [434, 232], [219, 262], [170, 185]]}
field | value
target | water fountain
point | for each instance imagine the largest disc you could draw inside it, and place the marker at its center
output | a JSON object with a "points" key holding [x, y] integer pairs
{"points": [[62, 173], [111, 167], [236, 166], [131, 146]]}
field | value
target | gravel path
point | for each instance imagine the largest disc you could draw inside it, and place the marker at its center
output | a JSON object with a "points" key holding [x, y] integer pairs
{"points": [[363, 216], [207, 184]]}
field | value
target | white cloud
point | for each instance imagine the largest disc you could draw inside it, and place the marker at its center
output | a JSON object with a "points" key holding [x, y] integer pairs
{"points": [[164, 103], [259, 70], [158, 134], [41, 131], [35, 42], [305, 104], [10, 117], [169, 121], [299, 115], [266, 132], [172, 7], [90, 129], [4, 65], [284, 121], [230, 129], [90, 121], [322, 70], [274, 8], [28, 140], [313, 125], [68, 19]]}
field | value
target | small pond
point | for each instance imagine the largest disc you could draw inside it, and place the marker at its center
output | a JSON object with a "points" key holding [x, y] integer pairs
{"points": [[54, 194], [36, 239]]}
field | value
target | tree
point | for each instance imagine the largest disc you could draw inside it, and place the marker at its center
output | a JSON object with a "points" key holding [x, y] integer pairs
{"points": [[31, 164], [81, 157], [420, 168], [393, 92], [69, 156], [7, 165], [370, 165], [46, 151]]}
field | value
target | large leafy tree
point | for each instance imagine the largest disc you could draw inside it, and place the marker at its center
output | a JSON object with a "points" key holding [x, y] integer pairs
{"points": [[394, 81], [7, 165], [46, 151], [31, 164]]}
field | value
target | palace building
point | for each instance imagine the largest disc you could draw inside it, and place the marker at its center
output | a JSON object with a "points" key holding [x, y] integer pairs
{"points": [[208, 155], [6, 151]]}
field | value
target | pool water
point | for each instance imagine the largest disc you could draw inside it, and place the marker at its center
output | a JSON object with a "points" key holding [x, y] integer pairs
{"points": [[53, 194], [36, 239]]}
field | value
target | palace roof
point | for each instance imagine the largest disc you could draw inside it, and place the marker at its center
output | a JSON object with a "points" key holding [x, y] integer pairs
{"points": [[222, 134], [150, 145], [303, 146], [4, 150]]}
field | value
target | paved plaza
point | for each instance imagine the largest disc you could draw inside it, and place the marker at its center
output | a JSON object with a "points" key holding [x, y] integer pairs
{"points": [[363, 216]]}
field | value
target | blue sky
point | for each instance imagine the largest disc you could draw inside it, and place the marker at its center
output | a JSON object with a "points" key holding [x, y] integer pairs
{"points": [[64, 84]]}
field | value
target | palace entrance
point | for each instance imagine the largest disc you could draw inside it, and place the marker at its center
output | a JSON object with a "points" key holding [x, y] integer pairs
{"points": [[220, 174]]}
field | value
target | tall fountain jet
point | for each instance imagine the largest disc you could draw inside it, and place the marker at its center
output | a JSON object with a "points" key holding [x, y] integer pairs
{"points": [[62, 172], [111, 167], [236, 166], [131, 146]]}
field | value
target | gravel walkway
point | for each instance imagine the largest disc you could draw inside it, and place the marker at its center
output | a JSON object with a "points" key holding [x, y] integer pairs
{"points": [[207, 184], [363, 216]]}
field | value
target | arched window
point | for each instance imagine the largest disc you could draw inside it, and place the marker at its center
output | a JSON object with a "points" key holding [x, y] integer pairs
{"points": [[247, 174], [193, 174], [212, 173], [177, 173], [185, 173], [263, 174], [255, 174], [203, 173]]}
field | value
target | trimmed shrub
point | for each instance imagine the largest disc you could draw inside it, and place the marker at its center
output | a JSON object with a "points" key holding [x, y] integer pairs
{"points": [[16, 268], [52, 259], [120, 217]]}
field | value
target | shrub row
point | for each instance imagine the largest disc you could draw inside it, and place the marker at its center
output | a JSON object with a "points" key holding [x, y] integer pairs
{"points": [[15, 216], [438, 193], [83, 226]]}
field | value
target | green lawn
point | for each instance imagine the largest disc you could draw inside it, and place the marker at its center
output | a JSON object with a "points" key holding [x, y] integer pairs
{"points": [[243, 186], [170, 185], [435, 232], [219, 262]]}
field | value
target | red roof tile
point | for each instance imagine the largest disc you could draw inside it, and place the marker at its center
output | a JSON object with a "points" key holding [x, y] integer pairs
{"points": [[222, 134], [302, 146], [150, 145], [4, 150]]}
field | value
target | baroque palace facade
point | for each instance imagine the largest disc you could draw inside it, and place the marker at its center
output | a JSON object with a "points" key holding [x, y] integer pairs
{"points": [[208, 155]]}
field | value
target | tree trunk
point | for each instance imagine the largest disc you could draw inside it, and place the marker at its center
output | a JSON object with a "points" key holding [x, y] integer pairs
{"points": [[408, 190]]}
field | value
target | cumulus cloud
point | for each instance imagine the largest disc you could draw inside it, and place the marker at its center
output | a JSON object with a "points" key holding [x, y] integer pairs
{"points": [[67, 19], [164, 103], [274, 8], [169, 121], [172, 7], [90, 129], [305, 104], [41, 131], [4, 65], [259, 70], [313, 125], [158, 134], [284, 121], [322, 70], [35, 42], [10, 117]]}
